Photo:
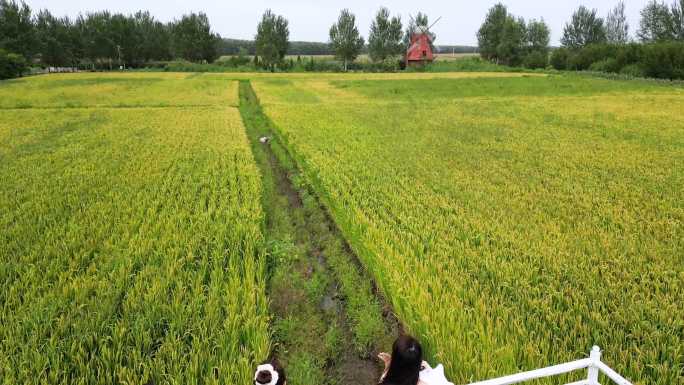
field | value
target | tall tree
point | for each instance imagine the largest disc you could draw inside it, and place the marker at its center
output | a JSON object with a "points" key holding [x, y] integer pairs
{"points": [[12, 65], [617, 28], [511, 48], [193, 39], [538, 36], [584, 28], [490, 34], [505, 39], [98, 42], [272, 39], [78, 39], [417, 25], [126, 38], [156, 42], [54, 39], [678, 19], [17, 33], [385, 38], [656, 23], [345, 38]]}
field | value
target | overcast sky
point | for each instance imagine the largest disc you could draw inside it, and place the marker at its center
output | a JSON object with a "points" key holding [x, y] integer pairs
{"points": [[310, 20]]}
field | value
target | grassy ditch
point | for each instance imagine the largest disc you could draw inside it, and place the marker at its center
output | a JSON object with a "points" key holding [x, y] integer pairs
{"points": [[328, 322]]}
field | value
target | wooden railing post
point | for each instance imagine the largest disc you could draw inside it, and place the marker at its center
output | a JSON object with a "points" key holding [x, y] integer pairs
{"points": [[593, 370]]}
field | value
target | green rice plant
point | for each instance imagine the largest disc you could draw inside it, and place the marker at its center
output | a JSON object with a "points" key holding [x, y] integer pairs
{"points": [[511, 222], [131, 249], [117, 90]]}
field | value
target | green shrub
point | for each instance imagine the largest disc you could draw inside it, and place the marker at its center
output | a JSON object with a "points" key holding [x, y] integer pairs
{"points": [[632, 70], [12, 65], [219, 66], [469, 64], [629, 54], [234, 61], [664, 60], [657, 60], [328, 66], [599, 66], [536, 59], [605, 65], [559, 58], [581, 60], [387, 65]]}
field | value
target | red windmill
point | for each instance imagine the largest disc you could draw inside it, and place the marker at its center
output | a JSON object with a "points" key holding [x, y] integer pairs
{"points": [[419, 51]]}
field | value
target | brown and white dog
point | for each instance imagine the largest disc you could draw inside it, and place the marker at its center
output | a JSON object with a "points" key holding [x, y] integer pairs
{"points": [[270, 373]]}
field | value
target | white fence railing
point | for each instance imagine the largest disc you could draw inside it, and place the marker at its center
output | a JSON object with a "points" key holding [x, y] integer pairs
{"points": [[593, 365]]}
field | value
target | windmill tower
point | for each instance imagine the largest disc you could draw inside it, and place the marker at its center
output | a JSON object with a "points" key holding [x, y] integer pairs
{"points": [[419, 51]]}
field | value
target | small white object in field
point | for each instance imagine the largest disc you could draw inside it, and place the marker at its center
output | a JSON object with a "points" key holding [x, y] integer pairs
{"points": [[264, 139]]}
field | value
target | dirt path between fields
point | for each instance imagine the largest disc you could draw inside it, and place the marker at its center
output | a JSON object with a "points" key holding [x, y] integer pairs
{"points": [[321, 338]]}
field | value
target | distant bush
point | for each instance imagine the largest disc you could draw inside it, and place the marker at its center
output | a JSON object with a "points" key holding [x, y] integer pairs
{"points": [[536, 59], [186, 66], [533, 60], [559, 58], [234, 61], [584, 58], [664, 60], [469, 64], [387, 65], [299, 64], [632, 70], [12, 65], [605, 65], [313, 65], [629, 54], [657, 60]]}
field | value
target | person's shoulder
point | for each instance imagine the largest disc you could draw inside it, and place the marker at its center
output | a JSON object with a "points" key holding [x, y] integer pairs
{"points": [[430, 376]]}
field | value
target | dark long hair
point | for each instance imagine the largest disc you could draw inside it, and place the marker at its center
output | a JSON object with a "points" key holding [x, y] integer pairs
{"points": [[404, 368]]}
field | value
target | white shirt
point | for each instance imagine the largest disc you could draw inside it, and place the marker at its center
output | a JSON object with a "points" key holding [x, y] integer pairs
{"points": [[430, 376]]}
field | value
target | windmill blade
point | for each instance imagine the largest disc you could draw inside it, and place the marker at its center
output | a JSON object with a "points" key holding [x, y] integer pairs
{"points": [[417, 29], [433, 24]]}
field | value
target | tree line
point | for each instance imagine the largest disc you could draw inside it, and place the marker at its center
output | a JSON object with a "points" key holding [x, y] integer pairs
{"points": [[248, 47], [591, 42], [589, 39], [506, 39], [103, 39], [108, 40], [233, 47], [659, 23], [387, 39]]}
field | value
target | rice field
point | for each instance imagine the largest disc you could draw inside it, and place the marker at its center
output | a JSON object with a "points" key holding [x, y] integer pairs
{"points": [[131, 243], [116, 90], [512, 222]]}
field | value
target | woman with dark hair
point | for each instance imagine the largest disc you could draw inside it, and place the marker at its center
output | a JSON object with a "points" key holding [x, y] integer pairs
{"points": [[403, 366], [406, 366]]}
